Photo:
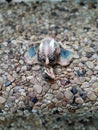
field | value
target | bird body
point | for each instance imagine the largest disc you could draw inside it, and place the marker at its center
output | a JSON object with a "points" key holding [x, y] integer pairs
{"points": [[49, 52]]}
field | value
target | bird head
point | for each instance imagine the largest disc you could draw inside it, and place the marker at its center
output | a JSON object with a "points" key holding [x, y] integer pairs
{"points": [[48, 51]]}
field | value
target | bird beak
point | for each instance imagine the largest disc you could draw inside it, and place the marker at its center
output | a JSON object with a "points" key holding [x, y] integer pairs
{"points": [[47, 61]]}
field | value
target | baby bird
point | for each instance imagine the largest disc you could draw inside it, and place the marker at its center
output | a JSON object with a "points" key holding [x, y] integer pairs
{"points": [[48, 51]]}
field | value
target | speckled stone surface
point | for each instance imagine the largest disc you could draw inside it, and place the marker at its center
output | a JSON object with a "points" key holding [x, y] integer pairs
{"points": [[21, 85]]}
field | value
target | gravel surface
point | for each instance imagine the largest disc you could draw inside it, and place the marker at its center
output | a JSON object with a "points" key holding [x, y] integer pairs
{"points": [[22, 86]]}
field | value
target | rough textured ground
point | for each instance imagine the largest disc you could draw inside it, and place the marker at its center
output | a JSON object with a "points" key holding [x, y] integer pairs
{"points": [[22, 86]]}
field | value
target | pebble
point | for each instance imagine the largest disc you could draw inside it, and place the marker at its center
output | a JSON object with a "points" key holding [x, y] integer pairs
{"points": [[89, 72], [77, 80], [90, 64], [8, 89], [95, 85], [36, 67], [74, 90], [79, 100], [46, 88], [10, 78], [89, 54], [34, 100], [23, 94], [91, 95], [54, 86], [68, 94], [81, 72], [27, 113], [96, 90], [83, 95], [21, 104], [24, 68], [65, 81], [59, 95], [37, 88], [49, 96], [0, 88], [2, 100], [7, 83], [1, 81], [82, 79], [85, 85], [84, 58], [96, 68]]}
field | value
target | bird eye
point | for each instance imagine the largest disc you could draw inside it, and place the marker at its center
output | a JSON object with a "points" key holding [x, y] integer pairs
{"points": [[51, 58], [41, 58]]}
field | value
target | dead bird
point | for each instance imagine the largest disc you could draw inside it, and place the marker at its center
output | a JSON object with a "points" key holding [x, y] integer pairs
{"points": [[48, 53]]}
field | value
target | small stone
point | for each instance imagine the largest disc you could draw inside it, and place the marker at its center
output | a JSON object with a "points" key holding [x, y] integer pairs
{"points": [[24, 68], [37, 88], [51, 105], [44, 31], [8, 83], [89, 54], [21, 104], [84, 59], [91, 95], [23, 94], [2, 100], [77, 80], [36, 67], [89, 72], [34, 100], [65, 81], [26, 112], [96, 68], [85, 85], [49, 96], [46, 88], [74, 90], [0, 88], [59, 95], [30, 77], [68, 94], [95, 85], [1, 81], [81, 72], [83, 95], [21, 62], [21, 98], [96, 104], [38, 122], [79, 100], [8, 89], [10, 78], [16, 89], [96, 91], [76, 56], [90, 64], [54, 86], [53, 13], [82, 79], [11, 98]]}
